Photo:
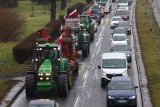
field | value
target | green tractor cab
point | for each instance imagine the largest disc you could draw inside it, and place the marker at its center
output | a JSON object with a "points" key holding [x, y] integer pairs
{"points": [[49, 71], [87, 24]]}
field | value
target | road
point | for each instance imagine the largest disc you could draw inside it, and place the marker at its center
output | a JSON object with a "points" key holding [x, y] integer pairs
{"points": [[157, 3], [87, 91]]}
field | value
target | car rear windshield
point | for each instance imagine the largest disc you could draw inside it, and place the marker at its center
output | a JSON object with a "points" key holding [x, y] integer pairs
{"points": [[120, 48], [122, 1], [119, 38], [120, 85], [121, 13], [119, 31], [114, 63], [117, 19]]}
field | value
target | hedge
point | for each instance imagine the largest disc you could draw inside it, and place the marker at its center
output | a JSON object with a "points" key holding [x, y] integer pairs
{"points": [[9, 3]]}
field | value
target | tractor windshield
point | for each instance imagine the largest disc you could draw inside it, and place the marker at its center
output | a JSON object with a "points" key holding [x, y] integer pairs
{"points": [[83, 19]]}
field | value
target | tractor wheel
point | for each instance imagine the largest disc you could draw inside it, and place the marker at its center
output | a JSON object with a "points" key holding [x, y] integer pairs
{"points": [[68, 69], [84, 50], [62, 85], [88, 49], [30, 83]]}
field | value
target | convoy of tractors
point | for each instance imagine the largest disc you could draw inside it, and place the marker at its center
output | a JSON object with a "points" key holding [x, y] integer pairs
{"points": [[54, 64]]}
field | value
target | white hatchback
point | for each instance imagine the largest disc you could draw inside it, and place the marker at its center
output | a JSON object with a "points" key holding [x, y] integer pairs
{"points": [[118, 38]]}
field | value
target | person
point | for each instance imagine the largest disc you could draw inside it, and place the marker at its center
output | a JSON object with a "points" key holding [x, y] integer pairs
{"points": [[45, 35]]}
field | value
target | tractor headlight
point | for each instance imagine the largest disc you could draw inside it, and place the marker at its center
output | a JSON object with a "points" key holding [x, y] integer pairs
{"points": [[76, 43], [41, 78], [36, 59], [40, 49], [40, 74], [47, 78], [55, 48], [47, 74]]}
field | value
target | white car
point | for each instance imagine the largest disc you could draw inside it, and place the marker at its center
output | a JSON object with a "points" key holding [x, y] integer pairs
{"points": [[115, 21], [123, 7], [118, 38], [113, 64]]}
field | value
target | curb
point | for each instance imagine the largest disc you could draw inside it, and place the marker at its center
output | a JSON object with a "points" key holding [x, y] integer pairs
{"points": [[12, 95]]}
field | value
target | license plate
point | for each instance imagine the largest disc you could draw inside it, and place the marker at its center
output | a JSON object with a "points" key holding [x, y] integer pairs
{"points": [[122, 101]]}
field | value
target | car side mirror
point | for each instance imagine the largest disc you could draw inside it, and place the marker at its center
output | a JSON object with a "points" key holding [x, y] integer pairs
{"points": [[99, 67], [128, 66], [111, 49], [111, 33], [130, 49], [135, 86]]}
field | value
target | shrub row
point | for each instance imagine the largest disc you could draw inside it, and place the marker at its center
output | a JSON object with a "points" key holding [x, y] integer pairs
{"points": [[8, 3], [11, 24], [23, 50]]}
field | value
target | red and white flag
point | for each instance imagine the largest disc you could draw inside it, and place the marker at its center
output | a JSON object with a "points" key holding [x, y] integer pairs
{"points": [[60, 40], [74, 13]]}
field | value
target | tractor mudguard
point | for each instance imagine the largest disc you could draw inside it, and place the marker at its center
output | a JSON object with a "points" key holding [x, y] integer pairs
{"points": [[62, 64]]}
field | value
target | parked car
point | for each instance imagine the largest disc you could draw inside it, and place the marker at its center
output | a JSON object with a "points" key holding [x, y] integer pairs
{"points": [[43, 103], [112, 64], [119, 30], [126, 25], [121, 92], [115, 21], [123, 13], [118, 38], [124, 48]]}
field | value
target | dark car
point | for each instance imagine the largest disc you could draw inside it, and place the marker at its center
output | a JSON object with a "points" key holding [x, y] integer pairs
{"points": [[43, 103], [119, 30], [121, 92], [96, 14], [124, 48], [126, 25], [123, 13]]}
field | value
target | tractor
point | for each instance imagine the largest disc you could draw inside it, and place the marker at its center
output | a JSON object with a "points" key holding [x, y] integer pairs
{"points": [[49, 72], [82, 37], [67, 44], [86, 23]]}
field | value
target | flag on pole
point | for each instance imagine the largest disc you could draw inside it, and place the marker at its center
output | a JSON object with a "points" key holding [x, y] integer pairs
{"points": [[74, 13]]}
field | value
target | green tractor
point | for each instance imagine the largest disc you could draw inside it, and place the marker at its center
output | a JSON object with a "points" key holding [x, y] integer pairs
{"points": [[48, 71], [82, 38], [87, 24]]}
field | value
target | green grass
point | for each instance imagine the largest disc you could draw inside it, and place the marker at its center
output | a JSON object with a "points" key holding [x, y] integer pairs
{"points": [[150, 45]]}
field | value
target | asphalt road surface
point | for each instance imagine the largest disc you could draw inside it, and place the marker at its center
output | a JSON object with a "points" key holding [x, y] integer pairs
{"points": [[157, 3], [87, 91]]}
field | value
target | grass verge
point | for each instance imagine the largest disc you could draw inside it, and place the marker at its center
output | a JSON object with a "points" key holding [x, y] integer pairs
{"points": [[150, 47]]}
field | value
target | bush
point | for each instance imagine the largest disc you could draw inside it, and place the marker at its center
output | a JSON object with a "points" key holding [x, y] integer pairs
{"points": [[11, 24], [23, 51], [41, 1], [8, 3]]}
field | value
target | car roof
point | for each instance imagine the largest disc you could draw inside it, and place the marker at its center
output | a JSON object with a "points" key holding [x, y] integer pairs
{"points": [[119, 35], [115, 55], [41, 101], [121, 78], [116, 17], [119, 28]]}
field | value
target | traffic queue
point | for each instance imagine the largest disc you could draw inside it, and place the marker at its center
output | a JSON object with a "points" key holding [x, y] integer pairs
{"points": [[114, 65]]}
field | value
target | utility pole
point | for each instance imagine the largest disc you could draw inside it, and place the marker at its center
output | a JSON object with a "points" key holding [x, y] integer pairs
{"points": [[32, 10], [145, 7]]}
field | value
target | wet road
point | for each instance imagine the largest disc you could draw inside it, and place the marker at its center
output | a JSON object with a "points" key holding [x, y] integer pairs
{"points": [[87, 91], [157, 3]]}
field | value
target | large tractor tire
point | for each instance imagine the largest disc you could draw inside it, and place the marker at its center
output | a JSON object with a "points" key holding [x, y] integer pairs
{"points": [[68, 69], [88, 49], [30, 83], [84, 50], [77, 66], [62, 85]]}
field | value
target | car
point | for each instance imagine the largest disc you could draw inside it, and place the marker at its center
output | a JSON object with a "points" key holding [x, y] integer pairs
{"points": [[119, 30], [123, 2], [43, 103], [123, 7], [124, 48], [115, 21], [118, 38], [123, 13], [112, 64], [121, 92], [106, 5], [126, 25]]}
